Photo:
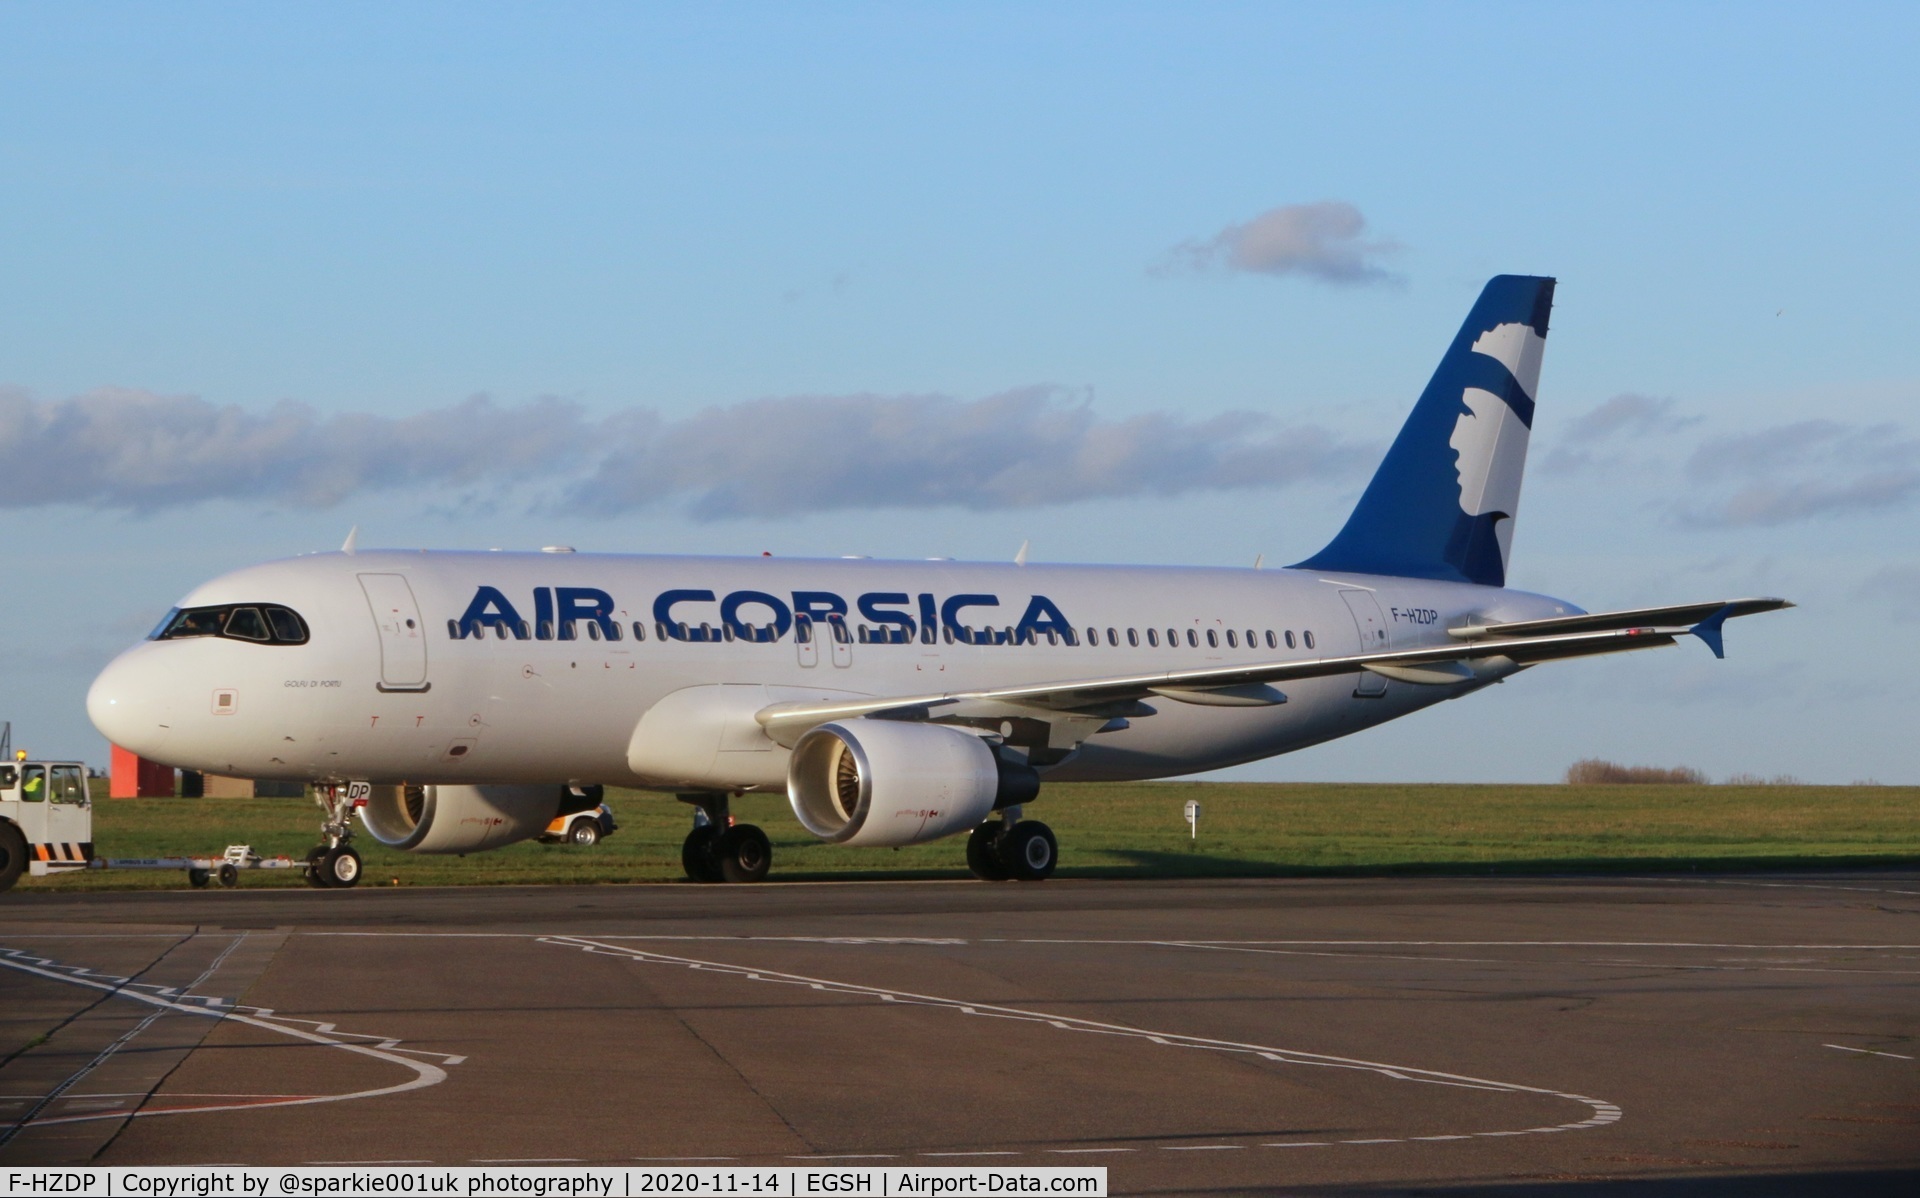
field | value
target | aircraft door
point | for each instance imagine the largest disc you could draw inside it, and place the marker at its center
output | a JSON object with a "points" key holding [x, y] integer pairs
{"points": [[69, 821], [806, 641], [1372, 627], [403, 642]]}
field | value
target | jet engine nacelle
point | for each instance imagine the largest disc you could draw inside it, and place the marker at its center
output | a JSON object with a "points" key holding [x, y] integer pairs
{"points": [[888, 782], [459, 819]]}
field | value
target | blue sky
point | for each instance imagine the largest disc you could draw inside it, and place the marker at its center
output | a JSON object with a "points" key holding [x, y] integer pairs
{"points": [[644, 220]]}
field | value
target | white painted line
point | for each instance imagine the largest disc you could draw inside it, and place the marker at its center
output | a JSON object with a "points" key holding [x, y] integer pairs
{"points": [[1296, 1144], [326, 1034], [1512, 1133], [686, 1158], [848, 1156], [1868, 1051], [1201, 1147], [1085, 1151], [1600, 1110], [969, 1154]]}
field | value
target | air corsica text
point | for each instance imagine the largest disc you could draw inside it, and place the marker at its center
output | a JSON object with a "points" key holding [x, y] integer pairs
{"points": [[693, 614]]}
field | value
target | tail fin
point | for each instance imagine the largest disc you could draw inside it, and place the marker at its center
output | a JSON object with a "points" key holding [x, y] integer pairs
{"points": [[1442, 503]]}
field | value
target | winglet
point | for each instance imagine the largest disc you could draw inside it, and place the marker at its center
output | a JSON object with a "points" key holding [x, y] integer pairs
{"points": [[1708, 630], [1020, 558], [353, 540]]}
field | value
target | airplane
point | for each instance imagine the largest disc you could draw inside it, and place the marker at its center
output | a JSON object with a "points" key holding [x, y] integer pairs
{"points": [[461, 701]]}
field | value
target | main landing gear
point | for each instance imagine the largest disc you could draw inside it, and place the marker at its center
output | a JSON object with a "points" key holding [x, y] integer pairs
{"points": [[1012, 848], [332, 864], [719, 850]]}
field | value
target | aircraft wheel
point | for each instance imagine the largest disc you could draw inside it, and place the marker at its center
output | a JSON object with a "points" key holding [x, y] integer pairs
{"points": [[585, 833], [13, 854], [1029, 851], [341, 867], [743, 853], [229, 874], [982, 857], [697, 856], [316, 870], [197, 878]]}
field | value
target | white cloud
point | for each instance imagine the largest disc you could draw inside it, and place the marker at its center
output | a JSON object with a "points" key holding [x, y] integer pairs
{"points": [[1802, 471], [1320, 240], [1026, 448]]}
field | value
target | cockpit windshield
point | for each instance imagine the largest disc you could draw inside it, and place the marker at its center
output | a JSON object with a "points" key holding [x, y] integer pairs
{"points": [[261, 623]]}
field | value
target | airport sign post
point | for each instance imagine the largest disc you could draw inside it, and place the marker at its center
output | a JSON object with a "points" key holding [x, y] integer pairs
{"points": [[1193, 819]]}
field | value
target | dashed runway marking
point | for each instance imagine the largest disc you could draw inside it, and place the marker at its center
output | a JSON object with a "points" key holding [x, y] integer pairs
{"points": [[1603, 1112], [1868, 1052], [177, 999]]}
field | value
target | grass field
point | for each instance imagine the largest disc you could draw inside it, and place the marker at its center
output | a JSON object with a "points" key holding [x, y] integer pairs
{"points": [[1133, 830]]}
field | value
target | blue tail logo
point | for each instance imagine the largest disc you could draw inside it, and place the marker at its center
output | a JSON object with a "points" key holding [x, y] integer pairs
{"points": [[1443, 502]]}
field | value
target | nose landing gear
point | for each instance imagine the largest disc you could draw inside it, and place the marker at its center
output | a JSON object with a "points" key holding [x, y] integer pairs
{"points": [[333, 864]]}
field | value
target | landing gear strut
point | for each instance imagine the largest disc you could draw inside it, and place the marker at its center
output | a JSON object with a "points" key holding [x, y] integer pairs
{"points": [[1011, 847], [332, 864], [719, 850]]}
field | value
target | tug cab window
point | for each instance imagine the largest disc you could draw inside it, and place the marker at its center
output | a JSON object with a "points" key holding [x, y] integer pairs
{"points": [[261, 623]]}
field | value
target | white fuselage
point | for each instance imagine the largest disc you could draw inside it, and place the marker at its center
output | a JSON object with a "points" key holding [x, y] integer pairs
{"points": [[470, 693]]}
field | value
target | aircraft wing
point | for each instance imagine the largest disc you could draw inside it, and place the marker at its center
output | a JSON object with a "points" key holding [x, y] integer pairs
{"points": [[1085, 706]]}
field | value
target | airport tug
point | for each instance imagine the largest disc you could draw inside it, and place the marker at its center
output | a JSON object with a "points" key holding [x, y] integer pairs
{"points": [[46, 818]]}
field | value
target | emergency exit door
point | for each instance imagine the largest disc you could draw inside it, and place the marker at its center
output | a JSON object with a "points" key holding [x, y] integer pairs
{"points": [[403, 642], [1372, 627]]}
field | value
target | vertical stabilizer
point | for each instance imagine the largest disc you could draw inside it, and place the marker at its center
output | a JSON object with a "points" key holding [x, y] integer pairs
{"points": [[1443, 502]]}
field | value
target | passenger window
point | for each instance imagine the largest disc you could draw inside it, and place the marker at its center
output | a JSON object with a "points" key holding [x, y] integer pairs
{"points": [[802, 630], [593, 630], [453, 628], [1113, 637], [33, 787], [1272, 641], [1309, 639], [1252, 640], [1233, 642], [1193, 639], [639, 631], [1153, 637], [948, 634], [1213, 639], [1289, 638], [686, 634], [839, 630], [706, 632], [1173, 638], [1133, 638], [499, 632]]}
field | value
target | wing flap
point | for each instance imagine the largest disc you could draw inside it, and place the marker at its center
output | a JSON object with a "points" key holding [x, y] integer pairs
{"points": [[1687, 615]]}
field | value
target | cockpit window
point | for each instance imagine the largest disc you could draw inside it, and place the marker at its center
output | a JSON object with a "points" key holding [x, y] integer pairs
{"points": [[287, 627], [247, 624], [257, 622]]}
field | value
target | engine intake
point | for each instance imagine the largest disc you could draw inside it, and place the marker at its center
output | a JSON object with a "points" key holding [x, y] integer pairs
{"points": [[459, 819], [887, 782]]}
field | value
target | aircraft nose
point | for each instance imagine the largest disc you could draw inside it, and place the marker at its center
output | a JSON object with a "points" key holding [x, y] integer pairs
{"points": [[131, 702]]}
